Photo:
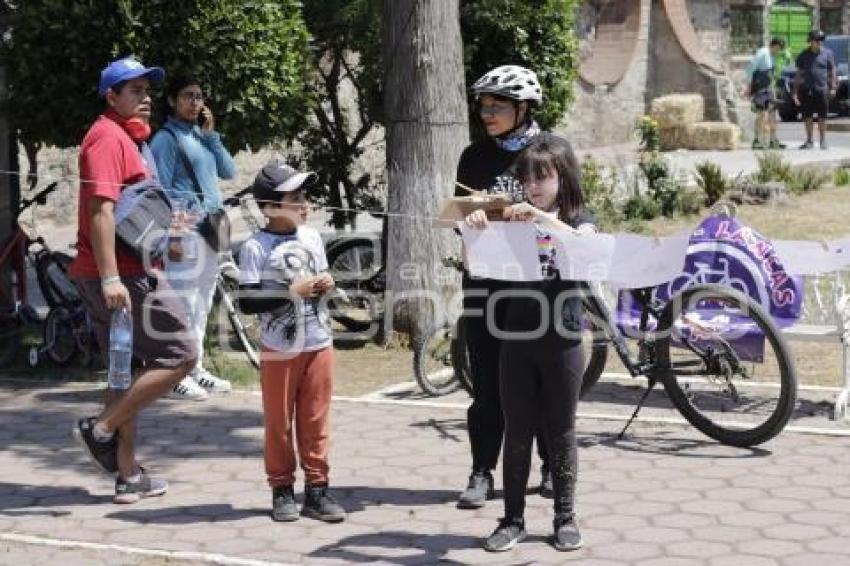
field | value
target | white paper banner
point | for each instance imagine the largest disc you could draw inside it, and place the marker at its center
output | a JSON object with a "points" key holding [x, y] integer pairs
{"points": [[812, 258], [644, 261], [504, 250], [583, 257], [508, 251]]}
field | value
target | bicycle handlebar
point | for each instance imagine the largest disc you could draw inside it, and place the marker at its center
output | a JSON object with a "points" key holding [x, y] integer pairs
{"points": [[39, 198], [235, 199]]}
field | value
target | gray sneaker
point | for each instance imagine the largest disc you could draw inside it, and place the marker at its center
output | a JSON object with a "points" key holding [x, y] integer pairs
{"points": [[477, 492], [319, 504], [103, 454], [131, 492], [507, 535], [566, 536], [283, 504]]}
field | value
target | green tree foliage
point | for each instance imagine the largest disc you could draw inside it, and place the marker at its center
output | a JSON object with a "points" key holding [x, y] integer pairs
{"points": [[345, 101], [54, 55], [251, 54], [538, 34]]}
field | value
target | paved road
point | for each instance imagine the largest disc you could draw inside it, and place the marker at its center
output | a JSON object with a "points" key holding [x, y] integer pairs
{"points": [[664, 495]]}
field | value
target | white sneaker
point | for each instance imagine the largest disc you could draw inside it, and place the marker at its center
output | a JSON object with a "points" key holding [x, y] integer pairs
{"points": [[210, 382], [189, 390]]}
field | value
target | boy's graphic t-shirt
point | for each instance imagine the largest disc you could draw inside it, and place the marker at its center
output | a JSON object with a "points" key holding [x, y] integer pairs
{"points": [[275, 261]]}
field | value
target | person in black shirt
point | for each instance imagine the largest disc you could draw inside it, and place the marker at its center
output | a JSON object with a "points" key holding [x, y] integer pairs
{"points": [[506, 97], [541, 360], [814, 84]]}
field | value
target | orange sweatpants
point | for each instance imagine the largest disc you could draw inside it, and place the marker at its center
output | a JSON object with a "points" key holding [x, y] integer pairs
{"points": [[299, 388]]}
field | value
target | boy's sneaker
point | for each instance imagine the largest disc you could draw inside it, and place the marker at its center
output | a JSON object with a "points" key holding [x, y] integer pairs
{"points": [[131, 492], [807, 145], [758, 145], [566, 536], [102, 453], [188, 390], [507, 535], [319, 504], [546, 488], [210, 382], [283, 504], [776, 144], [477, 492]]}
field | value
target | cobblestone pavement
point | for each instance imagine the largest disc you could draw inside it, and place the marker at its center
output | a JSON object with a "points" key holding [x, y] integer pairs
{"points": [[664, 495]]}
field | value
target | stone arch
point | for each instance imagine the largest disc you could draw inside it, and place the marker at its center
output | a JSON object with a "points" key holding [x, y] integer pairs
{"points": [[680, 21], [615, 42]]}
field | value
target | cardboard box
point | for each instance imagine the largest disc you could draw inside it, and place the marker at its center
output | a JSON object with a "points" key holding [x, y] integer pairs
{"points": [[455, 209]]}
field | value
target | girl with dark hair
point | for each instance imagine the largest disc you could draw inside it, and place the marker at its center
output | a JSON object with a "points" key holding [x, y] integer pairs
{"points": [[190, 159], [541, 362], [506, 98]]}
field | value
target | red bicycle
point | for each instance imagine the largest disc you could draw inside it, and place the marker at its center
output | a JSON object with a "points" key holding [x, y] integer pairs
{"points": [[16, 252]]}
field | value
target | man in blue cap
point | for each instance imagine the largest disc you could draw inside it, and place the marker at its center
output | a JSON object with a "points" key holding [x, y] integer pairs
{"points": [[111, 277]]}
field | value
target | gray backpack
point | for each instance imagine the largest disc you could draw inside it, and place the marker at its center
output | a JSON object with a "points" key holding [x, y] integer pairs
{"points": [[143, 215]]}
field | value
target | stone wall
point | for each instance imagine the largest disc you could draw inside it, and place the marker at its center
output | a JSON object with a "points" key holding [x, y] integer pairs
{"points": [[707, 19], [670, 70], [606, 115]]}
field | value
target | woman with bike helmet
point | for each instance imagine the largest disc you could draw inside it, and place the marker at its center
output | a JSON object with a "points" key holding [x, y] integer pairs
{"points": [[506, 98]]}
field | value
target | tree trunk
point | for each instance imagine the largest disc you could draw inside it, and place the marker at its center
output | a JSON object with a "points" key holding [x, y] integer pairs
{"points": [[426, 128], [9, 186]]}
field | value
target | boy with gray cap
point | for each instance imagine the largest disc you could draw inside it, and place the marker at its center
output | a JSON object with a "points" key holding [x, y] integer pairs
{"points": [[284, 278]]}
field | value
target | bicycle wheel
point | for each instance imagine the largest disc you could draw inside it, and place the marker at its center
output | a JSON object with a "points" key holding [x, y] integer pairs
{"points": [[725, 365], [356, 268], [432, 361], [595, 345], [58, 332], [51, 269], [242, 331], [460, 357]]}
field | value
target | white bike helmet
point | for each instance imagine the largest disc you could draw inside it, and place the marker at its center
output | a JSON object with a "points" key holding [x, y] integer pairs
{"points": [[510, 81]]}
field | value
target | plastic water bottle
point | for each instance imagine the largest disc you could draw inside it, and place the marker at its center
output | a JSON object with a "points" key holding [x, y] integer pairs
{"points": [[120, 349], [183, 230]]}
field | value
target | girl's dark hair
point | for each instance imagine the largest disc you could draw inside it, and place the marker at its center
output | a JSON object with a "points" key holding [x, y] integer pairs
{"points": [[175, 85], [540, 159]]}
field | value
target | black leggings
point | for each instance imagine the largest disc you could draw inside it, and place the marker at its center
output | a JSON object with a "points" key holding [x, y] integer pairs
{"points": [[484, 418], [540, 377]]}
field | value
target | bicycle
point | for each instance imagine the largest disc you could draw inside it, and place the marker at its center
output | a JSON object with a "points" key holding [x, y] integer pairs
{"points": [[245, 328], [51, 274], [441, 358], [739, 385]]}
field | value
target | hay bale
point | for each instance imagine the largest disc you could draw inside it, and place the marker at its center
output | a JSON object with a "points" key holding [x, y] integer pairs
{"points": [[673, 138], [677, 110], [713, 135]]}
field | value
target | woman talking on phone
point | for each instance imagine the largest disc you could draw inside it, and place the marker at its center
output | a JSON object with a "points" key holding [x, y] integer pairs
{"points": [[190, 159]]}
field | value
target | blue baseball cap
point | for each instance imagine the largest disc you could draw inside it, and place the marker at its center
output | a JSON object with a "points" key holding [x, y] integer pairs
{"points": [[126, 69]]}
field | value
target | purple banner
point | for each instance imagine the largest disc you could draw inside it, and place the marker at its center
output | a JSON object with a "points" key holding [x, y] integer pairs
{"points": [[723, 251]]}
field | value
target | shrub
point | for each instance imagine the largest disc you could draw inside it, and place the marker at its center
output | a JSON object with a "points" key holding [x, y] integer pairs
{"points": [[772, 167], [841, 177], [712, 181], [600, 194], [647, 130], [807, 179], [691, 202], [641, 207]]}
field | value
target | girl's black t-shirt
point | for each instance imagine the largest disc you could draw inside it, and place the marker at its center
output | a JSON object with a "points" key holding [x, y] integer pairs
{"points": [[525, 311]]}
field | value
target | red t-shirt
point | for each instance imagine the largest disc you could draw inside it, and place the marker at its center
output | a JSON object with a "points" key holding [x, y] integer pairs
{"points": [[109, 160]]}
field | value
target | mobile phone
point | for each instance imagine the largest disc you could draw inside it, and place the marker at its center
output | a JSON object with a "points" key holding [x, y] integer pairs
{"points": [[202, 117]]}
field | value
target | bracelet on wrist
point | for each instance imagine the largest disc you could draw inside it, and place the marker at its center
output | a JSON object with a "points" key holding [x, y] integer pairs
{"points": [[109, 280]]}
